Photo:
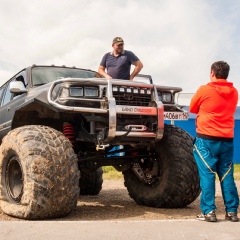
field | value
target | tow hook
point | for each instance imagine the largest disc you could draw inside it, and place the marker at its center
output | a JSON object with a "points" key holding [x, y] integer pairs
{"points": [[101, 146]]}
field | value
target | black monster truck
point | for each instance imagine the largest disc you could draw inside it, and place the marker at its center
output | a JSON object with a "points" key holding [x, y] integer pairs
{"points": [[57, 123]]}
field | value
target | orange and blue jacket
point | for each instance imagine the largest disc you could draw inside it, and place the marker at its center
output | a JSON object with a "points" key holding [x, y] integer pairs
{"points": [[215, 105]]}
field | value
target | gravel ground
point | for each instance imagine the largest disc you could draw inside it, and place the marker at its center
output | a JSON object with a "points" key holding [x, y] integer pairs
{"points": [[114, 203]]}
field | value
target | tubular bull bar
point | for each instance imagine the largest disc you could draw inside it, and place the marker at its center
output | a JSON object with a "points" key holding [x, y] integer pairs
{"points": [[110, 108]]}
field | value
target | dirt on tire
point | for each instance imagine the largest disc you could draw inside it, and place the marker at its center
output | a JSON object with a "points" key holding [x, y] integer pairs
{"points": [[49, 173], [175, 180]]}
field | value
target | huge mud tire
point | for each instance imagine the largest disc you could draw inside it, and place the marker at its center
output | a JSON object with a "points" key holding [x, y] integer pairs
{"points": [[177, 183], [39, 173], [91, 182]]}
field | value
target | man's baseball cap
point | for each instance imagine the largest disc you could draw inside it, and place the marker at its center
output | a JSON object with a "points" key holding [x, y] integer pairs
{"points": [[118, 40]]}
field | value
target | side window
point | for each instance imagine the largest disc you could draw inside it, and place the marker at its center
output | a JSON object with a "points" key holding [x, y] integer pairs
{"points": [[7, 96]]}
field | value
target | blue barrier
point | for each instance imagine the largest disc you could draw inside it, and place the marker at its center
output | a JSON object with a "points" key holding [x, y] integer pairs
{"points": [[190, 127]]}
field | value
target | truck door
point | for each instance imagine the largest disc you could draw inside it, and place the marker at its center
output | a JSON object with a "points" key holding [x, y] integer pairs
{"points": [[7, 110]]}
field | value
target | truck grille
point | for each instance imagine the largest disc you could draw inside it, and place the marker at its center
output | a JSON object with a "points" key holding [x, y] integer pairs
{"points": [[141, 98], [131, 99]]}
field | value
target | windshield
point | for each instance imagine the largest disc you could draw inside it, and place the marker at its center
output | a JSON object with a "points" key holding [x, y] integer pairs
{"points": [[43, 75]]}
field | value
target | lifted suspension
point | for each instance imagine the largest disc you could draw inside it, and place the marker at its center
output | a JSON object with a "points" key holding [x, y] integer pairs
{"points": [[68, 131]]}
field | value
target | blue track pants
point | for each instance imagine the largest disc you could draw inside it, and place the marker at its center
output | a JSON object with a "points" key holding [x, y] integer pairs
{"points": [[215, 158]]}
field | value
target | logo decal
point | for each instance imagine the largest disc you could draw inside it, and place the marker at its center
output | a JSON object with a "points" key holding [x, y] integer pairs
{"points": [[128, 96]]}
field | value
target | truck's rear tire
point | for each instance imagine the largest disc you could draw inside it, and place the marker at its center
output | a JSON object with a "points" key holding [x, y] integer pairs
{"points": [[91, 182], [176, 183], [39, 173]]}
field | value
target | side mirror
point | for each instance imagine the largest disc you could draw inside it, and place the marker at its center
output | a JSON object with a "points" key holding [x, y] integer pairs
{"points": [[17, 87]]}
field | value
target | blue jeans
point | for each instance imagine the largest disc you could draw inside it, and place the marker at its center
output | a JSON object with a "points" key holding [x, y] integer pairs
{"points": [[215, 158]]}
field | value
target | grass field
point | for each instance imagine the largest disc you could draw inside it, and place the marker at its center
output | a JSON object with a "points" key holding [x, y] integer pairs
{"points": [[237, 171], [110, 172]]}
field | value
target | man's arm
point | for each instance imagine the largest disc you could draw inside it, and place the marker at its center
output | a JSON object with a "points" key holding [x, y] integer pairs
{"points": [[101, 70], [195, 103], [137, 69]]}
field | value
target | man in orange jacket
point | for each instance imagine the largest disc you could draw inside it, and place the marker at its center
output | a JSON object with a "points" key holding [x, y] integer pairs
{"points": [[215, 104]]}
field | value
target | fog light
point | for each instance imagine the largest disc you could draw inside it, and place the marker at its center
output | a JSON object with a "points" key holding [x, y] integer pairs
{"points": [[129, 90], [135, 90], [115, 89]]}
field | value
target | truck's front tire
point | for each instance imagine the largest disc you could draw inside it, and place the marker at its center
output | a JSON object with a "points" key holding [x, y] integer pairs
{"points": [[39, 173], [176, 181]]}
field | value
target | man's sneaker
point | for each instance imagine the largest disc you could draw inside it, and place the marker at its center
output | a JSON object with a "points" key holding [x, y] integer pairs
{"points": [[232, 216], [210, 217]]}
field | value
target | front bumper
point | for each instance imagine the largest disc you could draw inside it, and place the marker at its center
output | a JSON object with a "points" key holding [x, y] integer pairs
{"points": [[108, 106]]}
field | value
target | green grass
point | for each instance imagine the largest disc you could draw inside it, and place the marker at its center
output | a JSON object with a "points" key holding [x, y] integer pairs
{"points": [[237, 171], [110, 172]]}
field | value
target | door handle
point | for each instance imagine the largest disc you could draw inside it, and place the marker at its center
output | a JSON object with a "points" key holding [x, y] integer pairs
{"points": [[8, 109]]}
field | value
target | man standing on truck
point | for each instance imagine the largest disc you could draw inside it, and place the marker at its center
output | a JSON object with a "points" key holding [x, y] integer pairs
{"points": [[118, 62], [215, 104]]}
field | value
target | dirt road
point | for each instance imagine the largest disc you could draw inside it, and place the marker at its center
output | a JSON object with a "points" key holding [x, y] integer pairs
{"points": [[114, 203]]}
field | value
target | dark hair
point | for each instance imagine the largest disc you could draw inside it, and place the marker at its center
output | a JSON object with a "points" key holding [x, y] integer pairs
{"points": [[220, 69]]}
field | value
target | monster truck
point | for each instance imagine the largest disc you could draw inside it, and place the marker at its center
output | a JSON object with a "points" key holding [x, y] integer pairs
{"points": [[59, 126]]}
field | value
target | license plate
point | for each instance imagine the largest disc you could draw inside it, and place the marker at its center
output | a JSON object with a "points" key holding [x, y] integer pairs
{"points": [[175, 115]]}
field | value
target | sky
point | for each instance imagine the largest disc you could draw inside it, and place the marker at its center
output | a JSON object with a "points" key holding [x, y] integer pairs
{"points": [[176, 40]]}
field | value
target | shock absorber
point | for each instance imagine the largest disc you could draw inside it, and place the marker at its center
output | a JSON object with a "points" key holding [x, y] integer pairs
{"points": [[68, 131]]}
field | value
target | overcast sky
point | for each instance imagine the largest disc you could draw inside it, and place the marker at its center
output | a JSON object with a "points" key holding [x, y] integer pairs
{"points": [[176, 40]]}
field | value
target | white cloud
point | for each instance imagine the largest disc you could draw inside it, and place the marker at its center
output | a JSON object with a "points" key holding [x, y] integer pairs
{"points": [[4, 76], [176, 40]]}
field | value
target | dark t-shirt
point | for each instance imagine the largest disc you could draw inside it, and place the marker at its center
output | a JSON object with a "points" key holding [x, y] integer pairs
{"points": [[119, 67]]}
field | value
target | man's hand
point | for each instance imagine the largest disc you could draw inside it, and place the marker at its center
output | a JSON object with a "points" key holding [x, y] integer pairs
{"points": [[137, 69], [101, 71]]}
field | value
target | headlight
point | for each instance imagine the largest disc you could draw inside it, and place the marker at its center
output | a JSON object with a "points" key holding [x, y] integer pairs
{"points": [[91, 92], [76, 91], [166, 97], [83, 91]]}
